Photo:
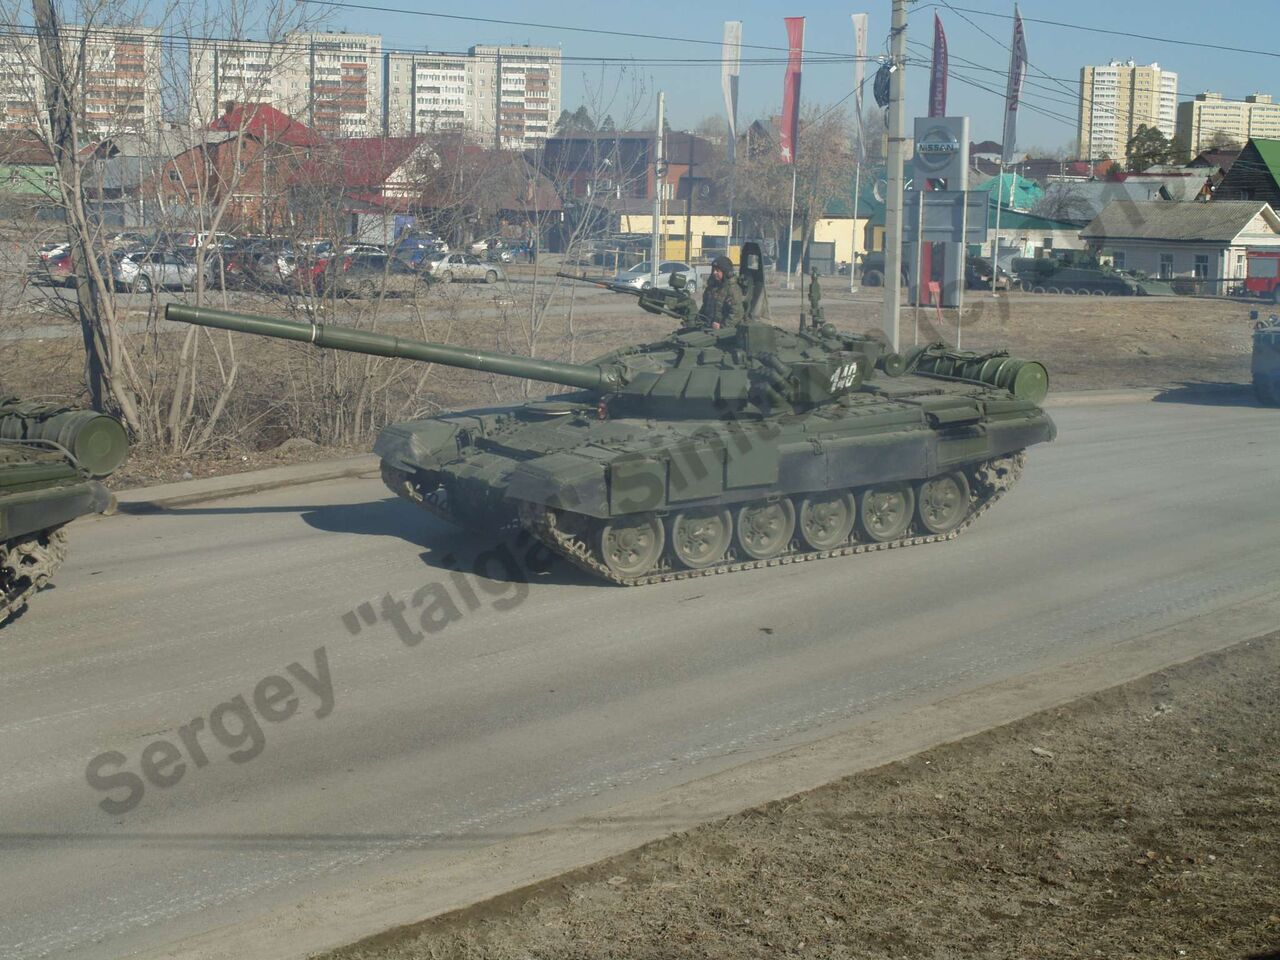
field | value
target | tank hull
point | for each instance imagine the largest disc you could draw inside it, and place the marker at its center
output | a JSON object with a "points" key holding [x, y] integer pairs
{"points": [[568, 477]]}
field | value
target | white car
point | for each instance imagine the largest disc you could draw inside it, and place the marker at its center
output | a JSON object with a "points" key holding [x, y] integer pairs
{"points": [[463, 266], [640, 277], [146, 270]]}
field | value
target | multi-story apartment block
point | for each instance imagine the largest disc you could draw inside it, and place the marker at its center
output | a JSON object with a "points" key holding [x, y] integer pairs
{"points": [[340, 82], [1209, 120], [428, 92], [344, 85], [330, 81], [117, 80], [1117, 99], [241, 71], [517, 91]]}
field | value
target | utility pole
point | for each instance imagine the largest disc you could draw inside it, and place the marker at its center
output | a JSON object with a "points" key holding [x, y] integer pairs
{"points": [[893, 197], [659, 170], [688, 208]]}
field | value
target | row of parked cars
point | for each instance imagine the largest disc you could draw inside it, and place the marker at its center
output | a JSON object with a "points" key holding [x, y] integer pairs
{"points": [[168, 261]]}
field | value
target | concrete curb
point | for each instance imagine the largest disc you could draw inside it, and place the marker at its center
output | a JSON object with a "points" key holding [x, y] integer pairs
{"points": [[164, 496]]}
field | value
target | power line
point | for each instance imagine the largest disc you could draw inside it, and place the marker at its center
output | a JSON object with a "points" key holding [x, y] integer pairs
{"points": [[1114, 33], [563, 28]]}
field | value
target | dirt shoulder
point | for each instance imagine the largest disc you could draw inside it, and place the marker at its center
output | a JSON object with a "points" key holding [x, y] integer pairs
{"points": [[1140, 822]]}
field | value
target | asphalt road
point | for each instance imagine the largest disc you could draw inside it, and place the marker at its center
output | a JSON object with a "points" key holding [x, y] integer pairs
{"points": [[547, 699]]}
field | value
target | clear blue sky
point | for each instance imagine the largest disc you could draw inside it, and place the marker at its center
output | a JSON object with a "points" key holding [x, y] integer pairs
{"points": [[693, 90]]}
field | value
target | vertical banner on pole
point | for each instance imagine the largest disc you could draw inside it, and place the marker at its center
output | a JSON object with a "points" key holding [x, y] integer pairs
{"points": [[938, 77], [791, 89], [859, 64], [1013, 92], [790, 134], [731, 56]]}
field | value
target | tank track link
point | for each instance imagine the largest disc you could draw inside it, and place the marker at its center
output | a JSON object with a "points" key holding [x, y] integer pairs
{"points": [[994, 479], [26, 565]]}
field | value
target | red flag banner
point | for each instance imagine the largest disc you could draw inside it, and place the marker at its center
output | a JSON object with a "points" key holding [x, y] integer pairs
{"points": [[1013, 93], [791, 89], [938, 78]]}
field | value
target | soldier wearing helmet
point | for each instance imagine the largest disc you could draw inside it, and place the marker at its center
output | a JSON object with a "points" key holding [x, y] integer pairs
{"points": [[722, 300]]}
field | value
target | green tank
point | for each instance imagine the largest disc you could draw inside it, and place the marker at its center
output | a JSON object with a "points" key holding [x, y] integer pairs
{"points": [[1084, 276], [712, 450], [1266, 359], [51, 460]]}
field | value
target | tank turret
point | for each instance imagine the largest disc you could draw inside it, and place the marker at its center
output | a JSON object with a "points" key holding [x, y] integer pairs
{"points": [[711, 449]]}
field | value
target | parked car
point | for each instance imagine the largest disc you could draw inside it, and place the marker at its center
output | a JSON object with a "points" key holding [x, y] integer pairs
{"points": [[498, 255], [52, 250], [370, 275], [417, 247], [463, 266], [224, 240], [640, 277], [147, 270], [55, 271]]}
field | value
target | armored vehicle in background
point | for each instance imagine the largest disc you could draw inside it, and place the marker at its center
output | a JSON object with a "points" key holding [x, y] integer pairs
{"points": [[1083, 276], [1266, 359], [51, 459], [712, 450]]}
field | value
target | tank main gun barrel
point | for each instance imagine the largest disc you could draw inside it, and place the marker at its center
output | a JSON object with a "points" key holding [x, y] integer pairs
{"points": [[603, 379]]}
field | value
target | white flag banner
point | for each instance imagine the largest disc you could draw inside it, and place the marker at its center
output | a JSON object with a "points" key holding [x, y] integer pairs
{"points": [[859, 63], [731, 60], [1017, 73]]}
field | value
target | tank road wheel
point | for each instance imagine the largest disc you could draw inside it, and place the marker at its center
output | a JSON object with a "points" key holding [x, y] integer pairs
{"points": [[942, 502], [699, 538], [826, 519], [1069, 291], [765, 527], [631, 545], [884, 512]]}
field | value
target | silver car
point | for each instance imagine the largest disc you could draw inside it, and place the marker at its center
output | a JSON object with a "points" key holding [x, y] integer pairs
{"points": [[640, 277], [464, 266], [147, 270]]}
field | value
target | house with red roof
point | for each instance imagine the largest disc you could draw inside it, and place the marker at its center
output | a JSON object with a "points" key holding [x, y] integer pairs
{"points": [[243, 165]]}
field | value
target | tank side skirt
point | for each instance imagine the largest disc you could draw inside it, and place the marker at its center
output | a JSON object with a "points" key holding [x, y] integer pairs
{"points": [[542, 524]]}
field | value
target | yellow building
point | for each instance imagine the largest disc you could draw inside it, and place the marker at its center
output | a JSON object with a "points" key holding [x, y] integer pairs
{"points": [[700, 227], [1117, 99], [1209, 117]]}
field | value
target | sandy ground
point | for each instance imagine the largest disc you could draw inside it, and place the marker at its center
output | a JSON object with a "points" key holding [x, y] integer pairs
{"points": [[1140, 822]]}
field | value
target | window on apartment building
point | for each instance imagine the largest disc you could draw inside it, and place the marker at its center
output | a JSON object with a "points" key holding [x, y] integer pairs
{"points": [[1201, 269], [1166, 266]]}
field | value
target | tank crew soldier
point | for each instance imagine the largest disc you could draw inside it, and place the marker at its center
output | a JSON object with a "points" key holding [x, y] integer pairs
{"points": [[722, 300], [815, 301]]}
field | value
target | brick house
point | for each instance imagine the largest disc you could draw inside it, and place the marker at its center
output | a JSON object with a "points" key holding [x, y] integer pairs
{"points": [[248, 157]]}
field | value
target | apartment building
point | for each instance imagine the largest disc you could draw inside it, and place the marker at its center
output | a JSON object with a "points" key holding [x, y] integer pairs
{"points": [[341, 82], [330, 81], [428, 92], [1209, 120], [517, 91], [118, 77], [1118, 98]]}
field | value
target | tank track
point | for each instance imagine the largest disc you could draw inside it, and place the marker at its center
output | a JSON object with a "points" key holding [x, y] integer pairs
{"points": [[993, 479], [989, 481], [26, 565]]}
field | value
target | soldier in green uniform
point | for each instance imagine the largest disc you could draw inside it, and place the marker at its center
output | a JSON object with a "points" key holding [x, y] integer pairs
{"points": [[722, 300]]}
